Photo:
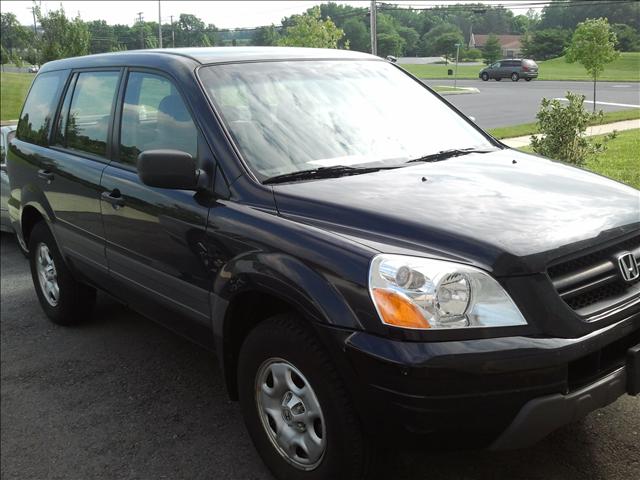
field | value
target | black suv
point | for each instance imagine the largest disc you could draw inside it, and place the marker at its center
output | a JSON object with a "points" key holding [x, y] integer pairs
{"points": [[515, 69], [366, 262]]}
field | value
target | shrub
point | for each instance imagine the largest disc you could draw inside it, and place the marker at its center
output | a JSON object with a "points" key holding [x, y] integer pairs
{"points": [[470, 54], [562, 131]]}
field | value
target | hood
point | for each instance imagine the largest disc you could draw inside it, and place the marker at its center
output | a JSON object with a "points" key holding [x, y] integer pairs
{"points": [[504, 211]]}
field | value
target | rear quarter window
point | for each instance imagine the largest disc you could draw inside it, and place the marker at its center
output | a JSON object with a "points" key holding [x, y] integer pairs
{"points": [[39, 109]]}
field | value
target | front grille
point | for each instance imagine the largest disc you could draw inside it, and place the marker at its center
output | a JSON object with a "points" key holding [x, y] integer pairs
{"points": [[593, 283]]}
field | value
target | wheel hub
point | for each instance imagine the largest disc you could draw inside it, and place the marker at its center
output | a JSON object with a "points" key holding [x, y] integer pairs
{"points": [[290, 413], [293, 410], [47, 275]]}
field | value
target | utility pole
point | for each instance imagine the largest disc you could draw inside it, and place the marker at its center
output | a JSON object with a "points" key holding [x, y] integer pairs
{"points": [[173, 34], [141, 29], [33, 11], [374, 35], [159, 26], [455, 78]]}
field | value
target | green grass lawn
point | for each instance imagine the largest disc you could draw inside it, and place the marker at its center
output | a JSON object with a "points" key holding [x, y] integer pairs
{"points": [[619, 161], [531, 128], [13, 89], [625, 68]]}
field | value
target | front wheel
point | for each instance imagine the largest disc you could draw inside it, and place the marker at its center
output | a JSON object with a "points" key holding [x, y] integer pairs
{"points": [[296, 407], [515, 77], [527, 79], [65, 300], [485, 77]]}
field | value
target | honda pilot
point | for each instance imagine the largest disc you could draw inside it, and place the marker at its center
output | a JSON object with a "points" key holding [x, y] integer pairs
{"points": [[370, 267]]}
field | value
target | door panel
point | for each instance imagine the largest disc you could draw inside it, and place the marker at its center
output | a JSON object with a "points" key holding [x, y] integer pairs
{"points": [[73, 168], [73, 191], [155, 237], [155, 244]]}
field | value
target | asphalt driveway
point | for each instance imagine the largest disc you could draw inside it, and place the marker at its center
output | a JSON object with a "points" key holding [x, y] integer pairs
{"points": [[506, 103], [120, 397]]}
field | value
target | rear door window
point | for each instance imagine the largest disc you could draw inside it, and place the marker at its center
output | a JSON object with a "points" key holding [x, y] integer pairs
{"points": [[40, 107], [85, 125], [154, 116]]}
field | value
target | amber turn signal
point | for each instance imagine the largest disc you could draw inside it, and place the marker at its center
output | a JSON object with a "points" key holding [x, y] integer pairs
{"points": [[397, 310]]}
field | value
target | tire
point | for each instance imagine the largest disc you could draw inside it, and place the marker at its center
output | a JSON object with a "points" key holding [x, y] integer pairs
{"points": [[74, 301], [282, 343], [485, 77], [515, 77], [527, 79]]}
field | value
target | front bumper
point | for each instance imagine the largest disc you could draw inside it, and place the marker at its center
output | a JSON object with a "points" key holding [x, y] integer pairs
{"points": [[490, 392]]}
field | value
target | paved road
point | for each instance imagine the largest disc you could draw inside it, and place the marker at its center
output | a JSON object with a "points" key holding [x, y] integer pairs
{"points": [[122, 398], [510, 103]]}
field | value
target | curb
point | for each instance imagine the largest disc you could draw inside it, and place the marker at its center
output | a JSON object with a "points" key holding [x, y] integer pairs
{"points": [[462, 91]]}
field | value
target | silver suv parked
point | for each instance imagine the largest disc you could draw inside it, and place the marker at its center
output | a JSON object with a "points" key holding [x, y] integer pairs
{"points": [[515, 69]]}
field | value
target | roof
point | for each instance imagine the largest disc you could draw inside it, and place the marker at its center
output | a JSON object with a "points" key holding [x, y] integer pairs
{"points": [[506, 41], [235, 54], [205, 55]]}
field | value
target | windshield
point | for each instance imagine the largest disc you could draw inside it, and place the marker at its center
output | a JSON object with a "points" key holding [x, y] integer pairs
{"points": [[299, 115]]}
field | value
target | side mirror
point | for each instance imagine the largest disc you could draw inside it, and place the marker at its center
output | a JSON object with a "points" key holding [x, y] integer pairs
{"points": [[170, 169]]}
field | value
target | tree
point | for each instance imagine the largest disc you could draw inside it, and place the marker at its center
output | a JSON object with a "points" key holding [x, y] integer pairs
{"points": [[562, 130], [358, 35], [390, 44], [628, 39], [4, 55], [309, 30], [102, 37], [545, 44], [31, 56], [266, 36], [470, 54], [560, 13], [593, 45], [12, 34], [61, 37], [440, 40], [411, 39], [192, 32], [492, 49]]}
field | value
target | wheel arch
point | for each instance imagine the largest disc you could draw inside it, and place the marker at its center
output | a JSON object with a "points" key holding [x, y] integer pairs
{"points": [[258, 286]]}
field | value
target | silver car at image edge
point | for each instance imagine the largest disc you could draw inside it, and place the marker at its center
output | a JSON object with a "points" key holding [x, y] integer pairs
{"points": [[7, 132]]}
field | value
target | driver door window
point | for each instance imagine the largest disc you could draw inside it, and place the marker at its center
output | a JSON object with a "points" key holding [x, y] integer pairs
{"points": [[154, 117]]}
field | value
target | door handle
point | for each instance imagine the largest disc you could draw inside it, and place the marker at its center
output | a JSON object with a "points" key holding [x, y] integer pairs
{"points": [[114, 198], [45, 175]]}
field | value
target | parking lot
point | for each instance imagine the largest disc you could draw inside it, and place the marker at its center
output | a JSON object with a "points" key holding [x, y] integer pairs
{"points": [[506, 103], [120, 397]]}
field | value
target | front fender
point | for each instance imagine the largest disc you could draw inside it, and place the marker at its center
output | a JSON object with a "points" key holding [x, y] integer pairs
{"points": [[279, 276], [286, 278]]}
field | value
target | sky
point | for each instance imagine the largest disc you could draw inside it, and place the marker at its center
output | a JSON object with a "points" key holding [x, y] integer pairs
{"points": [[223, 14]]}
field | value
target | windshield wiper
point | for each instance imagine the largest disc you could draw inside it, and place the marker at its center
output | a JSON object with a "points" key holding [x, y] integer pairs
{"points": [[323, 172], [444, 154]]}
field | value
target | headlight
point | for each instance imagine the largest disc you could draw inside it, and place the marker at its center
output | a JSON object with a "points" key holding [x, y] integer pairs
{"points": [[420, 293]]}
